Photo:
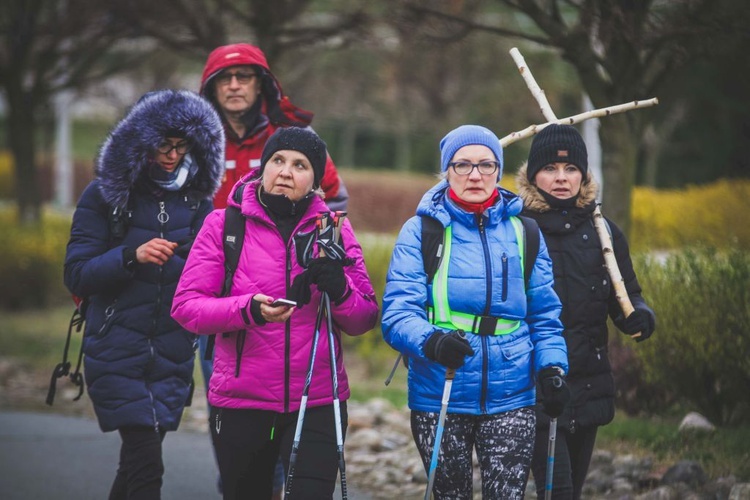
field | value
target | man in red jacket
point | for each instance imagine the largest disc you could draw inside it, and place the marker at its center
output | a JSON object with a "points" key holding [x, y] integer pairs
{"points": [[248, 97]]}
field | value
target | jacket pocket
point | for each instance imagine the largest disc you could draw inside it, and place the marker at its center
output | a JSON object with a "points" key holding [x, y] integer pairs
{"points": [[517, 366]]}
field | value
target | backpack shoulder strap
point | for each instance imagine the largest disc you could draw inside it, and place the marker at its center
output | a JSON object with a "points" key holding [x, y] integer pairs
{"points": [[432, 245], [233, 238], [531, 235]]}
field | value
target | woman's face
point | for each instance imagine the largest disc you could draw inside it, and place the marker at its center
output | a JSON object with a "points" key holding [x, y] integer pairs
{"points": [[561, 180], [290, 173], [473, 187], [170, 152]]}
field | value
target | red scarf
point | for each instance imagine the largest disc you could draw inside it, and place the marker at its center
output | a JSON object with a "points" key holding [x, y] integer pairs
{"points": [[475, 208]]}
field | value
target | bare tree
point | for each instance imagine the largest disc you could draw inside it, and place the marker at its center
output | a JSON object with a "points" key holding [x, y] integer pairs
{"points": [[196, 27], [47, 46], [622, 50]]}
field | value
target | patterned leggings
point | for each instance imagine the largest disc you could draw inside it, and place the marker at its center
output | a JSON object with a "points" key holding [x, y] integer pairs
{"points": [[504, 444]]}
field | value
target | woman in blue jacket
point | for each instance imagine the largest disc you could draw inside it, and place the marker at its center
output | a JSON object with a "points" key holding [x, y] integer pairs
{"points": [[512, 332], [132, 229]]}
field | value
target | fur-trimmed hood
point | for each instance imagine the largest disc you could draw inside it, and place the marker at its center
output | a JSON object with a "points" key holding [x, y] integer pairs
{"points": [[129, 149], [535, 202]]}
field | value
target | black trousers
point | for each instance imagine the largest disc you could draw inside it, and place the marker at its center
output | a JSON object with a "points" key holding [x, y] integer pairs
{"points": [[248, 444], [139, 475], [572, 458]]}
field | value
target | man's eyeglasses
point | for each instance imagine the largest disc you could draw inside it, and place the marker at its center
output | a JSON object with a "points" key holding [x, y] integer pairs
{"points": [[181, 147], [465, 167], [242, 77]]}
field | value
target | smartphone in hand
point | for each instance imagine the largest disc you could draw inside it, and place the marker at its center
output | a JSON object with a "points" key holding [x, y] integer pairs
{"points": [[283, 302]]}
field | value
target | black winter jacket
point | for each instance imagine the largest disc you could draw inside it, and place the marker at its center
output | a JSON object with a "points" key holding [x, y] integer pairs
{"points": [[583, 285], [138, 360]]}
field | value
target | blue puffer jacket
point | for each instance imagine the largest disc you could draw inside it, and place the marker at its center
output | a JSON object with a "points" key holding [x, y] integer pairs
{"points": [[499, 376], [138, 360]]}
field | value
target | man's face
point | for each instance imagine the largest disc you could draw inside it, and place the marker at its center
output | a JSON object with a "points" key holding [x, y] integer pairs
{"points": [[237, 88]]}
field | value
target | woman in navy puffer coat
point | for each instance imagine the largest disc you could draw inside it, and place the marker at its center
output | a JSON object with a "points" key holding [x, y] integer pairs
{"points": [[131, 233]]}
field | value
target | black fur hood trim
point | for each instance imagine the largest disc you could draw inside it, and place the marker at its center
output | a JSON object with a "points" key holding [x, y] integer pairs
{"points": [[128, 150]]}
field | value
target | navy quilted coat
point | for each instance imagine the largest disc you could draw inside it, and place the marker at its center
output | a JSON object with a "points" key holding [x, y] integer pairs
{"points": [[138, 360]]}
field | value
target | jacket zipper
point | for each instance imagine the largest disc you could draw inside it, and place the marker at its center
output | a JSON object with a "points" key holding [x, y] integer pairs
{"points": [[287, 330], [487, 305], [162, 217]]}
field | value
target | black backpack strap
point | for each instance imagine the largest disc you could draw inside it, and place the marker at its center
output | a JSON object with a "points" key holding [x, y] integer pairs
{"points": [[234, 237], [433, 234], [531, 246], [63, 368]]}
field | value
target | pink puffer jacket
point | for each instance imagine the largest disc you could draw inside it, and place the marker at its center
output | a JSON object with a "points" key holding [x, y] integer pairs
{"points": [[275, 357]]}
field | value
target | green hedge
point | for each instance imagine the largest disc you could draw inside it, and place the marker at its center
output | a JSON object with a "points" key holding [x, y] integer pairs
{"points": [[31, 261], [699, 353]]}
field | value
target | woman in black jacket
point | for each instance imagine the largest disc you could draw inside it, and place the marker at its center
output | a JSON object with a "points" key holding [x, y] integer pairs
{"points": [[560, 194], [131, 233]]}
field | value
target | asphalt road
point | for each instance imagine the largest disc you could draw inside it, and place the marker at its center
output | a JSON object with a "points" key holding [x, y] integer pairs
{"points": [[48, 456]]}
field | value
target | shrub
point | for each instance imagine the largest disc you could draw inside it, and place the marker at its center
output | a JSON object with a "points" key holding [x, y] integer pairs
{"points": [[699, 351], [371, 346], [7, 177], [31, 261], [712, 215]]}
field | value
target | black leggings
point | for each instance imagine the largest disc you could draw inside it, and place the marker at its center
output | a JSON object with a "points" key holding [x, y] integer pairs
{"points": [[572, 457], [503, 442], [249, 442], [139, 475]]}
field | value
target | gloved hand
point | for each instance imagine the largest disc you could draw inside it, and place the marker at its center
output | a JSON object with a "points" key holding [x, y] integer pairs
{"points": [[329, 275], [300, 289], [448, 349], [555, 392], [326, 273], [639, 320]]}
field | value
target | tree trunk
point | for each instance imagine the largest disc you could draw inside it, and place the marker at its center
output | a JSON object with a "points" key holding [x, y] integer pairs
{"points": [[22, 110], [619, 153]]}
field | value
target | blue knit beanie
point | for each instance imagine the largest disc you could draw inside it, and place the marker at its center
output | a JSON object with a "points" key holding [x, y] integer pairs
{"points": [[466, 135]]}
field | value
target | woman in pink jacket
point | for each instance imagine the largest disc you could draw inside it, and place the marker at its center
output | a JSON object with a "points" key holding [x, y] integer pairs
{"points": [[262, 352]]}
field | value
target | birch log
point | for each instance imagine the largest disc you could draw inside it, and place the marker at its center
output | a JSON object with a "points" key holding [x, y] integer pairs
{"points": [[571, 120], [610, 262], [535, 89]]}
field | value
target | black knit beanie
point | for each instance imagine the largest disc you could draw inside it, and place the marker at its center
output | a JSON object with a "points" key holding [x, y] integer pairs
{"points": [[299, 139], [557, 143]]}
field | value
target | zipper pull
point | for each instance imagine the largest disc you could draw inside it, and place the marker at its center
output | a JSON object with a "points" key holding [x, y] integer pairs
{"points": [[163, 216]]}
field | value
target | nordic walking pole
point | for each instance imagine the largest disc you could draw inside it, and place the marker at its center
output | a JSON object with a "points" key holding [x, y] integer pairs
{"points": [[550, 458], [450, 374], [337, 221], [320, 222], [393, 370]]}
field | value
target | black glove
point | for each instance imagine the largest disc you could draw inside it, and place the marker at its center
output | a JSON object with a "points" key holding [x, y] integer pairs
{"points": [[555, 392], [639, 320], [300, 290], [329, 276], [448, 349]]}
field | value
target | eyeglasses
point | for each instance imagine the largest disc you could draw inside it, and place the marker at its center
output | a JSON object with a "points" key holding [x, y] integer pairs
{"points": [[242, 77], [181, 147], [465, 167]]}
